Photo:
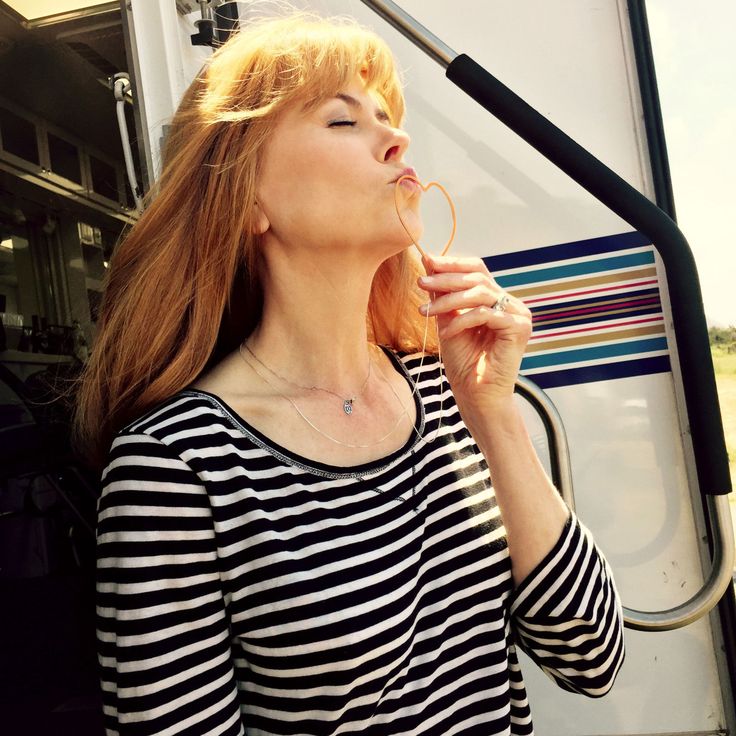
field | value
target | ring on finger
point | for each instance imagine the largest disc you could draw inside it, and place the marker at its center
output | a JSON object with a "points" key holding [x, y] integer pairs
{"points": [[500, 305]]}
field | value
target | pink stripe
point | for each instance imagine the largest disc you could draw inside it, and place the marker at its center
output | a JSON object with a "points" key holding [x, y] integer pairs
{"points": [[591, 310], [564, 295], [601, 327]]}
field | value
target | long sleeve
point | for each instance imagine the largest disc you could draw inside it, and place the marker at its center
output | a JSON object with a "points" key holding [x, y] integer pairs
{"points": [[162, 628], [568, 617]]}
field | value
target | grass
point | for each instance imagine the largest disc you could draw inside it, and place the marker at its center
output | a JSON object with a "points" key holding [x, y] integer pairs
{"points": [[725, 368]]}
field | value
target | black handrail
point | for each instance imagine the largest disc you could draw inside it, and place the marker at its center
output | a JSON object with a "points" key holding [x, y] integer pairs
{"points": [[691, 331]]}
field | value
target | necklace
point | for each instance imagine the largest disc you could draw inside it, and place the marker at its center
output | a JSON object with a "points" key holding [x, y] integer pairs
{"points": [[402, 414], [347, 404]]}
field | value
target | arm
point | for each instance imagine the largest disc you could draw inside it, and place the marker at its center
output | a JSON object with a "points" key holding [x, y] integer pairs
{"points": [[162, 629], [567, 612], [482, 351], [568, 616]]}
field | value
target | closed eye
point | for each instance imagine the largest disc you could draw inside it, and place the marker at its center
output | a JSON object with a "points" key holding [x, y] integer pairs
{"points": [[340, 123]]}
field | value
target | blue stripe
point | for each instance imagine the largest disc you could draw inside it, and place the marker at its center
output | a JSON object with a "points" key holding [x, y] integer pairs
{"points": [[595, 353], [574, 269], [602, 372], [565, 251]]}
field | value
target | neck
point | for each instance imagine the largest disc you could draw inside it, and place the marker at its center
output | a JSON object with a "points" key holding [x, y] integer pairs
{"points": [[313, 328]]}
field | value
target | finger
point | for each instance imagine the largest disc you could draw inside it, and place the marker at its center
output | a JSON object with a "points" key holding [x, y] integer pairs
{"points": [[476, 296], [487, 317], [454, 281], [443, 264], [481, 295]]}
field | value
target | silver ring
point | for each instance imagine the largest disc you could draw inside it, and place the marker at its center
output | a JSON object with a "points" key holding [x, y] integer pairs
{"points": [[500, 305]]}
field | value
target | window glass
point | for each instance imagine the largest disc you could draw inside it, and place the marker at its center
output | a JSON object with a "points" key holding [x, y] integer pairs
{"points": [[14, 413], [17, 288], [104, 178], [18, 136], [64, 158]]}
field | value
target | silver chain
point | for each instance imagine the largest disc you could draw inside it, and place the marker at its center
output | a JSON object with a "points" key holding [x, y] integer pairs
{"points": [[404, 412], [315, 427], [347, 403]]}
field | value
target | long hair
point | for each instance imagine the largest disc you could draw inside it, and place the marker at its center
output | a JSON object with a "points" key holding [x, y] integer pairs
{"points": [[182, 289]]}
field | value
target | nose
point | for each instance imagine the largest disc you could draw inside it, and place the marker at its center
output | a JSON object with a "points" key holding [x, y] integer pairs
{"points": [[396, 145]]}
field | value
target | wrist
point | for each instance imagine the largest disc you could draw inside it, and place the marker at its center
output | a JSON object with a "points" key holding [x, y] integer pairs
{"points": [[492, 417], [482, 404]]}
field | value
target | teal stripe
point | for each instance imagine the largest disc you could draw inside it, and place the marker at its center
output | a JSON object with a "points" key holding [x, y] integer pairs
{"points": [[575, 269], [596, 353]]}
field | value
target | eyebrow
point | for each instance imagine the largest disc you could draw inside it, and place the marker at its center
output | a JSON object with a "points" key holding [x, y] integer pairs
{"points": [[353, 102]]}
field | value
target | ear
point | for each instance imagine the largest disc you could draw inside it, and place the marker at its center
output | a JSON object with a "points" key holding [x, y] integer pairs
{"points": [[261, 222]]}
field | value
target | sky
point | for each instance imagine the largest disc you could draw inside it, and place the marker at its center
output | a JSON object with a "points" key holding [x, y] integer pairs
{"points": [[695, 62]]}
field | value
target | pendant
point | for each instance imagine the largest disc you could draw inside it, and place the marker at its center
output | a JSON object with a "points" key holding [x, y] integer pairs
{"points": [[347, 406]]}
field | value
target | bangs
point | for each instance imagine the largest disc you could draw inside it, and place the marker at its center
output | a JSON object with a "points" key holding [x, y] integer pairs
{"points": [[274, 62]]}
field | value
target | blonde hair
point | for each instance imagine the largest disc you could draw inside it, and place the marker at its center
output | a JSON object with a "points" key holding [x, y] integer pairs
{"points": [[182, 290]]}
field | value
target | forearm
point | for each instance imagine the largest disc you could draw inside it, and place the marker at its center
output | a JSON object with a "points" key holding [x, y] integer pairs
{"points": [[483, 333], [531, 507]]}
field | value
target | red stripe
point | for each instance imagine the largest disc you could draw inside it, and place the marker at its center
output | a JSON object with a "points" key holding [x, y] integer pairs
{"points": [[599, 327], [551, 316], [565, 294]]}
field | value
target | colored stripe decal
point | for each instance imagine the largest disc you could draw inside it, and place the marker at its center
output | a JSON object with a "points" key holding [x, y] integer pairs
{"points": [[596, 309], [575, 269], [602, 290], [545, 335], [590, 374], [597, 353], [606, 316], [608, 278], [650, 296], [565, 251], [587, 339]]}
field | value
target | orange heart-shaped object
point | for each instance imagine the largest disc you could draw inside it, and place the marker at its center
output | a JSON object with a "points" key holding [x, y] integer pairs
{"points": [[424, 189]]}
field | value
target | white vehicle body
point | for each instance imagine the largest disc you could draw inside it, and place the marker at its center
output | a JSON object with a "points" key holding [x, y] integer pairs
{"points": [[604, 352], [556, 245]]}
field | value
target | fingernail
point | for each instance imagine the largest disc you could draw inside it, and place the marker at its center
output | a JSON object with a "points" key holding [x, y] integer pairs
{"points": [[425, 307], [423, 280]]}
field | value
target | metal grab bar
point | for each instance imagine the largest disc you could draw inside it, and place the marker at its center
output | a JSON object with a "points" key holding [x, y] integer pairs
{"points": [[707, 597], [718, 510], [687, 303], [559, 453]]}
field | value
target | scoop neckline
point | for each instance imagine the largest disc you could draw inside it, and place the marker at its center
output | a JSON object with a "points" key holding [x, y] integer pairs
{"points": [[314, 466]]}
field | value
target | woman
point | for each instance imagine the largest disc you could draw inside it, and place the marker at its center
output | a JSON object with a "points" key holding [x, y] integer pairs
{"points": [[297, 532]]}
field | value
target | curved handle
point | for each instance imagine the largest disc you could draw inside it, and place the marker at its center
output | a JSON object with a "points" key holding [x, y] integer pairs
{"points": [[559, 453], [707, 597], [719, 513]]}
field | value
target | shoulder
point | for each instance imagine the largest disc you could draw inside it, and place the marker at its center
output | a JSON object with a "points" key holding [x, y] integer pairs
{"points": [[168, 432], [188, 409]]}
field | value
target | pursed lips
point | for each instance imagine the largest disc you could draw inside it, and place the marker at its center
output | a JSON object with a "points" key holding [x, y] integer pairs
{"points": [[409, 171]]}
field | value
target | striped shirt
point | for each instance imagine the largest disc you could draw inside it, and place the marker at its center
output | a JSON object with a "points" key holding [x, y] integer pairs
{"points": [[244, 589]]}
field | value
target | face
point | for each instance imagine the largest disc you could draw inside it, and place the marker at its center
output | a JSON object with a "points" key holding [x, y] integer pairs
{"points": [[328, 175]]}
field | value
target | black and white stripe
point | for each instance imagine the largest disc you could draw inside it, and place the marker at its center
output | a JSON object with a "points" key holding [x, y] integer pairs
{"points": [[244, 589]]}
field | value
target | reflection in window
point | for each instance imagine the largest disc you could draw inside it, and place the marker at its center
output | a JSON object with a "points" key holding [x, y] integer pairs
{"points": [[15, 266]]}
